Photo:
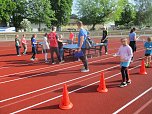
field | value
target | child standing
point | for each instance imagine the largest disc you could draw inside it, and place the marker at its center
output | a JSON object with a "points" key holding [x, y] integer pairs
{"points": [[125, 53], [17, 45], [148, 52], [61, 50], [24, 44], [33, 42], [46, 47]]}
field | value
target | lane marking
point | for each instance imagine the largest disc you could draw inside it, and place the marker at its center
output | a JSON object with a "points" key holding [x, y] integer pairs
{"points": [[132, 101], [55, 70], [143, 107], [29, 107]]}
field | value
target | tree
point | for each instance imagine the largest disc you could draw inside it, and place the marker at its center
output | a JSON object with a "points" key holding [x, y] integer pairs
{"points": [[40, 11], [93, 12], [19, 13], [26, 25], [128, 15], [144, 15], [6, 10], [63, 9]]}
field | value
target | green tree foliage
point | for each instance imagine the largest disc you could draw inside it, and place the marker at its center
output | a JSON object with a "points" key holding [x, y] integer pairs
{"points": [[144, 12], [63, 9], [20, 12], [40, 11], [6, 10], [93, 12], [26, 25], [128, 15]]}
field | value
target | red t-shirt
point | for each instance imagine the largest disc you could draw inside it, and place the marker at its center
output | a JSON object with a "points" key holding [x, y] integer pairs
{"points": [[53, 39], [71, 36]]}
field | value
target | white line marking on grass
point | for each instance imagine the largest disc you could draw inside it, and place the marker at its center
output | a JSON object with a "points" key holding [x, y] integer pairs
{"points": [[132, 101], [29, 107]]}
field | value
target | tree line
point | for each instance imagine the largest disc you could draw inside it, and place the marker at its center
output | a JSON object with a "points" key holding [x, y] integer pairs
{"points": [[123, 12], [48, 12]]}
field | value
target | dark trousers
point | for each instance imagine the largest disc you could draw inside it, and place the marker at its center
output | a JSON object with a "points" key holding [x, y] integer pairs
{"points": [[84, 59], [18, 50], [55, 50], [105, 46], [124, 72], [34, 52], [61, 53]]}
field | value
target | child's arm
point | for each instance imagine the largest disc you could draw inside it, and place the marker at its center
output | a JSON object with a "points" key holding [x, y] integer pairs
{"points": [[117, 54]]}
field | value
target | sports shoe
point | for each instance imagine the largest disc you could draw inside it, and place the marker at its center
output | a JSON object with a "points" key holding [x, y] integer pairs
{"points": [[147, 65], [53, 63], [106, 53], [32, 59], [85, 70], [128, 82], [123, 84], [18, 55], [46, 61]]}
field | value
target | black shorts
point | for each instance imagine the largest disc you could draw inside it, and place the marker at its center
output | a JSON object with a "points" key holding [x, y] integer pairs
{"points": [[133, 45], [147, 55]]}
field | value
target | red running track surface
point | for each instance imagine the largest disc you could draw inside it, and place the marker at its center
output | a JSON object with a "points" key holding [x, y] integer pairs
{"points": [[36, 88]]}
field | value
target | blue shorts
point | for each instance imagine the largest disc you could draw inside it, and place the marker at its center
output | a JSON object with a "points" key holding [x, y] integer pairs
{"points": [[125, 64]]}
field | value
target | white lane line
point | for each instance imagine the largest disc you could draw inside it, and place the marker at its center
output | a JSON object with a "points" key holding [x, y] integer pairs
{"points": [[4, 67], [45, 67], [84, 76], [29, 107], [143, 107], [50, 72], [53, 71], [132, 101]]}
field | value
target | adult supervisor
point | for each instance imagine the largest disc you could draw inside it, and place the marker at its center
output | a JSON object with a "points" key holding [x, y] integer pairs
{"points": [[133, 39], [82, 36]]}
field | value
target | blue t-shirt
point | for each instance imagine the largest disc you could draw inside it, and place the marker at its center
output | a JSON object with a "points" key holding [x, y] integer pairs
{"points": [[148, 45], [82, 32], [33, 42], [132, 36]]}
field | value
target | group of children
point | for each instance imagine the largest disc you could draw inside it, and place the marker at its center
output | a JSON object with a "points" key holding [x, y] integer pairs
{"points": [[54, 43]]}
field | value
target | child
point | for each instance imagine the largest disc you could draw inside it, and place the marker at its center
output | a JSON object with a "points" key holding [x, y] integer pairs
{"points": [[61, 50], [71, 37], [24, 44], [17, 45], [33, 42], [125, 53], [46, 47], [105, 40], [148, 52]]}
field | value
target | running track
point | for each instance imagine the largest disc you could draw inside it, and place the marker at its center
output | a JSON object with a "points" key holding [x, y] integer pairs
{"points": [[36, 88]]}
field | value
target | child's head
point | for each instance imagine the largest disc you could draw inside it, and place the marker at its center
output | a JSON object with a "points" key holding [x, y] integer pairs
{"points": [[16, 36], [149, 39], [45, 34], [34, 35], [124, 41], [60, 36]]}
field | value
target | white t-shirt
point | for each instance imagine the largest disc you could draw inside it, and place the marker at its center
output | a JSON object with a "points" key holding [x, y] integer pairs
{"points": [[45, 43]]}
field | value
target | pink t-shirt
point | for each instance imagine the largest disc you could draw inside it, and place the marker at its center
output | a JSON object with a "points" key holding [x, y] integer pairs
{"points": [[125, 53], [24, 40], [71, 36]]}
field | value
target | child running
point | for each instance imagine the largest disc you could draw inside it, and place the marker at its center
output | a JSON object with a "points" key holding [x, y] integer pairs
{"points": [[24, 44], [148, 52], [33, 42], [46, 47], [125, 53], [17, 45]]}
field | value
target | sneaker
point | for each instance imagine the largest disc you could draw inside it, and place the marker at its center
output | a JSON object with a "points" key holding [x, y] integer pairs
{"points": [[32, 59], [46, 61], [128, 82], [18, 55], [123, 84], [106, 53], [53, 63], [85, 70]]}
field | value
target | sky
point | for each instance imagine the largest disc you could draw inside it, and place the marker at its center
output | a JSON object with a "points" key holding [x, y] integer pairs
{"points": [[73, 7]]}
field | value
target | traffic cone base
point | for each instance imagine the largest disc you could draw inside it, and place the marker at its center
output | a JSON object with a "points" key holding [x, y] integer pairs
{"points": [[103, 90], [63, 107], [143, 73]]}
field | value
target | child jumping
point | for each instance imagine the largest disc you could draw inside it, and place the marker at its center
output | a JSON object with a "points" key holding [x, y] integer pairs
{"points": [[125, 53], [148, 52]]}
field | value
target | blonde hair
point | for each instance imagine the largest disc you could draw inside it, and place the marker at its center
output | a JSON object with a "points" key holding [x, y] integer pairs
{"points": [[149, 39], [80, 23]]}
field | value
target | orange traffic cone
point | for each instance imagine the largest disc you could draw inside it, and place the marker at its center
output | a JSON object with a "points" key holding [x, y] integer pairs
{"points": [[102, 86], [142, 68], [65, 101]]}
